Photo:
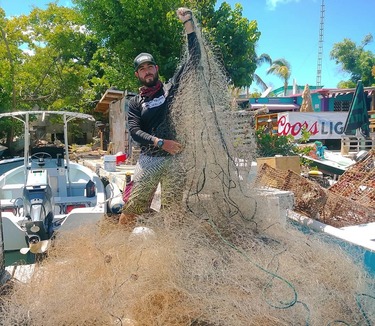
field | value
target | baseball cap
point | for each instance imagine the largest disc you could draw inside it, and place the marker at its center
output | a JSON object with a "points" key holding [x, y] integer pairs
{"points": [[142, 58]]}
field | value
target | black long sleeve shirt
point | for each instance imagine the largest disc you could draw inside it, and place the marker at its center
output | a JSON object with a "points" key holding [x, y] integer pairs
{"points": [[148, 116]]}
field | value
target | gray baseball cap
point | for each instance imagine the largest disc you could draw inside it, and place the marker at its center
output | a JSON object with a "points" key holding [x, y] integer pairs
{"points": [[142, 58]]}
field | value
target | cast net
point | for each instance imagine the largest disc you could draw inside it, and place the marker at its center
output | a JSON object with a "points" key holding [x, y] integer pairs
{"points": [[222, 257]]}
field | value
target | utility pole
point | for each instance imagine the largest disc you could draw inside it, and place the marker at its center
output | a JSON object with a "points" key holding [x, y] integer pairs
{"points": [[320, 48]]}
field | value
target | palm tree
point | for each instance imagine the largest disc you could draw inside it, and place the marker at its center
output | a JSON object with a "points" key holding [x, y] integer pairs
{"points": [[281, 68], [259, 61], [263, 58]]}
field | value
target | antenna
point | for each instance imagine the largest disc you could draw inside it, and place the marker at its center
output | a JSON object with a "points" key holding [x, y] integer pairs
{"points": [[320, 47]]}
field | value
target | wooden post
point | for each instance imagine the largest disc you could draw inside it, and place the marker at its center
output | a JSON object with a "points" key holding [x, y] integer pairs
{"points": [[101, 140]]}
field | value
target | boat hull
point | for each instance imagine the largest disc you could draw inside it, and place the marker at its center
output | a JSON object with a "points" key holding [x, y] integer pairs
{"points": [[9, 164]]}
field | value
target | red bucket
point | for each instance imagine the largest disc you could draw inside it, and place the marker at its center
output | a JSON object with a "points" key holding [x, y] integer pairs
{"points": [[121, 158]]}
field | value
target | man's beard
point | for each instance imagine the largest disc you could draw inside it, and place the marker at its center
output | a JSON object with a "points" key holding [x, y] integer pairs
{"points": [[149, 83]]}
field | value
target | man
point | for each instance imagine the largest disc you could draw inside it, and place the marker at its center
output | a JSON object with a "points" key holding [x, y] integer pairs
{"points": [[149, 125]]}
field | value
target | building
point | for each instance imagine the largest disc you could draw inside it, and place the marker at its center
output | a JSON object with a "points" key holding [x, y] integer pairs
{"points": [[323, 99], [114, 103], [113, 106]]}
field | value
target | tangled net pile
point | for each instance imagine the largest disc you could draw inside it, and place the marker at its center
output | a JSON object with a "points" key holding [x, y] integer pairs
{"points": [[220, 258]]}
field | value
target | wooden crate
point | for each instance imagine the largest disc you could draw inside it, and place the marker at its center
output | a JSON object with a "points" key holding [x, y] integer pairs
{"points": [[281, 163], [372, 120], [263, 121]]}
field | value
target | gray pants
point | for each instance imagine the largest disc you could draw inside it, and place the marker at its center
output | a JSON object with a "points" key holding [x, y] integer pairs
{"points": [[149, 172]]}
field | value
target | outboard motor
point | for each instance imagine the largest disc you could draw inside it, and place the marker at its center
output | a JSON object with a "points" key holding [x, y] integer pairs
{"points": [[38, 207]]}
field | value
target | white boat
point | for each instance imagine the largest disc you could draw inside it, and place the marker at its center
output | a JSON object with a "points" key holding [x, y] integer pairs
{"points": [[10, 163], [333, 163], [48, 193]]}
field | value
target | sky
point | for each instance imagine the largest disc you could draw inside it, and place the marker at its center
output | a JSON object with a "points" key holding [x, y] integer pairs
{"points": [[289, 29]]}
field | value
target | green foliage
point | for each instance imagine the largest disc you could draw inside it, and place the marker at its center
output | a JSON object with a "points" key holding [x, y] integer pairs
{"points": [[50, 51], [355, 60], [236, 37], [271, 144], [7, 124], [66, 58], [305, 135], [255, 94], [282, 69], [56, 72], [346, 84], [45, 62], [128, 27]]}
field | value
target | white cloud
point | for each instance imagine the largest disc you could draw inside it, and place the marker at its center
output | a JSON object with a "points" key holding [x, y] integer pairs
{"points": [[272, 4]]}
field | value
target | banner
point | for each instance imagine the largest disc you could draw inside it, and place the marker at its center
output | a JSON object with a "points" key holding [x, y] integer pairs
{"points": [[321, 125]]}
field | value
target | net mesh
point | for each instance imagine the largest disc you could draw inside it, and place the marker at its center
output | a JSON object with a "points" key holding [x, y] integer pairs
{"points": [[222, 257], [358, 182], [350, 201], [191, 275]]}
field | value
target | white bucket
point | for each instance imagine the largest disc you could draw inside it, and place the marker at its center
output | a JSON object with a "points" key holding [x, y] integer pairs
{"points": [[110, 163]]}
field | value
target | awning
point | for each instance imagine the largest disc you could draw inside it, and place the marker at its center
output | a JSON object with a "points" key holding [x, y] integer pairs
{"points": [[109, 96], [276, 107], [334, 92]]}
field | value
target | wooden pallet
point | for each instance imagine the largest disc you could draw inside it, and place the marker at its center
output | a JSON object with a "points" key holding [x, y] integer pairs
{"points": [[372, 120], [356, 144]]}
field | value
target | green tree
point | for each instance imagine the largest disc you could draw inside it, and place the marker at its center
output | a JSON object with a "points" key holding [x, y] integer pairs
{"points": [[45, 62], [55, 67], [236, 37], [355, 60], [128, 27], [11, 56], [346, 84], [281, 68], [11, 38]]}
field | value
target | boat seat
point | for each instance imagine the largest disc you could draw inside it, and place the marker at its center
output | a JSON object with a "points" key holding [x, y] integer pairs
{"points": [[4, 203], [76, 200], [7, 205], [13, 186], [12, 191]]}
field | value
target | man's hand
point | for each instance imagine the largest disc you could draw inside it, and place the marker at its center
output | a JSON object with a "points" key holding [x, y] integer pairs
{"points": [[170, 146], [184, 14]]}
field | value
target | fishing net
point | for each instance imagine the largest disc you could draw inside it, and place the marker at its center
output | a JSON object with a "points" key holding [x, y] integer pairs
{"points": [[317, 202], [191, 275], [358, 182], [350, 201], [221, 257], [310, 198]]}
